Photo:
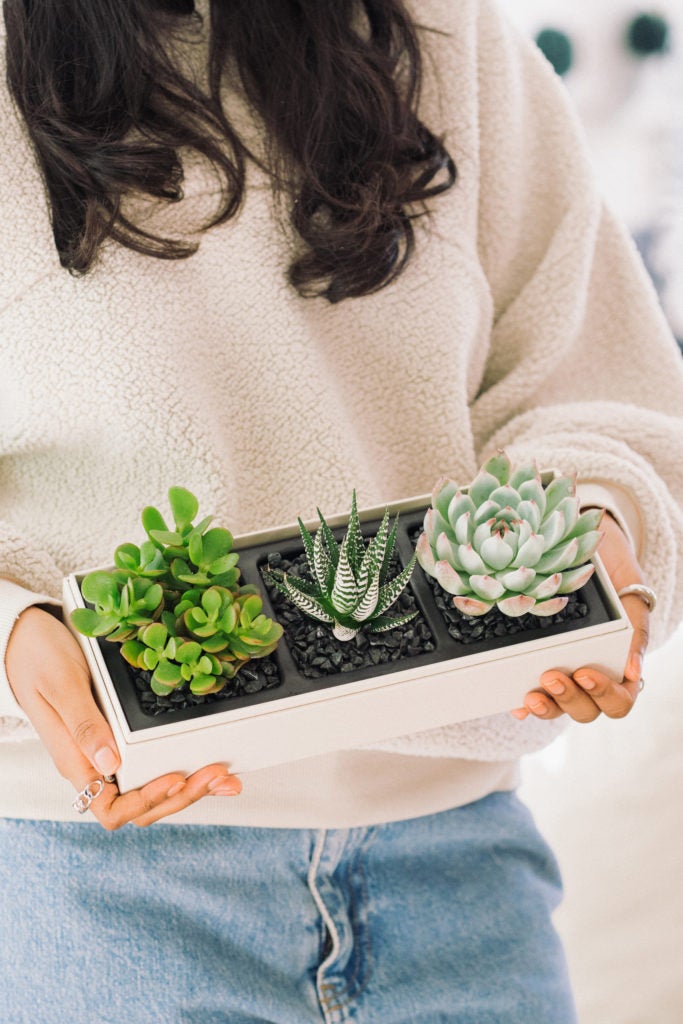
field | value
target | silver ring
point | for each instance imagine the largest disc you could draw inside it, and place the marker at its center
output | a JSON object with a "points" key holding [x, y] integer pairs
{"points": [[87, 795], [645, 594], [641, 685]]}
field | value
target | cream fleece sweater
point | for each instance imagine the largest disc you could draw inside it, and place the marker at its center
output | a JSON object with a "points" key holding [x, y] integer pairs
{"points": [[525, 320]]}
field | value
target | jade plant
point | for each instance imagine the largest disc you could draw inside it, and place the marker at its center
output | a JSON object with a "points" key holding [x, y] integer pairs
{"points": [[175, 604], [349, 588], [509, 541]]}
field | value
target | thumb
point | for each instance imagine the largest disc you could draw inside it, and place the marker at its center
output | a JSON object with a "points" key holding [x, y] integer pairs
{"points": [[88, 727], [45, 664]]}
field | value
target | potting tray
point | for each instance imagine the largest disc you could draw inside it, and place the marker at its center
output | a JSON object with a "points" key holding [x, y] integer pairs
{"points": [[301, 717]]}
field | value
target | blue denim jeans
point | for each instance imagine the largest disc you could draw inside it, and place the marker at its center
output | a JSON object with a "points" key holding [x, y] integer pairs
{"points": [[441, 918]]}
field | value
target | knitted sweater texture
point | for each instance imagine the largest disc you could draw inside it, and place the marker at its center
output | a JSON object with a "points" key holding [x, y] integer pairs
{"points": [[525, 321]]}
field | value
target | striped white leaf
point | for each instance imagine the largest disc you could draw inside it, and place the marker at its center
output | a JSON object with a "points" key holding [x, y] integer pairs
{"points": [[391, 591], [355, 543], [330, 540], [383, 623], [309, 605], [389, 551], [308, 542], [367, 604], [345, 591], [323, 570], [374, 554]]}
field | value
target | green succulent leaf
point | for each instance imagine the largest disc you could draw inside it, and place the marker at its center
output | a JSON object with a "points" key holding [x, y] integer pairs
{"points": [[149, 659], [154, 636], [153, 597], [188, 652], [442, 496], [560, 488], [132, 651], [161, 689], [499, 466], [166, 537], [251, 607], [212, 601], [203, 684], [167, 674], [223, 565], [195, 548], [152, 520], [127, 556], [100, 588], [483, 486], [217, 543], [88, 622], [184, 506]]}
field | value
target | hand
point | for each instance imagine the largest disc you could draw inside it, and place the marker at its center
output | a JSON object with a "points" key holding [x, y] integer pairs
{"points": [[588, 693], [50, 680]]}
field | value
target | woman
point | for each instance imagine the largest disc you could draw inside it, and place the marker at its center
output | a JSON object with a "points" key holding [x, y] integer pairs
{"points": [[313, 245]]}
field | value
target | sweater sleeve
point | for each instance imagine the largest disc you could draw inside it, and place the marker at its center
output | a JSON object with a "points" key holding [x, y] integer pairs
{"points": [[27, 577], [583, 372]]}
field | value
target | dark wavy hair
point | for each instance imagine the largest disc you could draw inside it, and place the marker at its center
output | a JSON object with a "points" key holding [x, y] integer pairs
{"points": [[335, 83]]}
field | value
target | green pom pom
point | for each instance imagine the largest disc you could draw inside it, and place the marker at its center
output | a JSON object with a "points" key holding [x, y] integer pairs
{"points": [[557, 47], [647, 33]]}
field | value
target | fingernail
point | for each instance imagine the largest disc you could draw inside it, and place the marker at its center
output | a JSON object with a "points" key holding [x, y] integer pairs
{"points": [[586, 682], [520, 713], [538, 707], [218, 780], [176, 788], [556, 687], [223, 785], [106, 761]]}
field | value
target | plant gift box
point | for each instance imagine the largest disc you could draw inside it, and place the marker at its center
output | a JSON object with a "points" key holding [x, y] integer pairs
{"points": [[334, 637]]}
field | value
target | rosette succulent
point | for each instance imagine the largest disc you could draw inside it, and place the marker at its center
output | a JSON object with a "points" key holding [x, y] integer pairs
{"points": [[175, 603], [349, 587], [509, 541]]}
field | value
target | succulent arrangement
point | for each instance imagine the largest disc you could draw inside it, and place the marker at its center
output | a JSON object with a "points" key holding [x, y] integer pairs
{"points": [[349, 587], [509, 542], [175, 604]]}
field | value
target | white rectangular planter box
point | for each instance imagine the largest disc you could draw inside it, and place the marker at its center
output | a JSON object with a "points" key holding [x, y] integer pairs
{"points": [[351, 712]]}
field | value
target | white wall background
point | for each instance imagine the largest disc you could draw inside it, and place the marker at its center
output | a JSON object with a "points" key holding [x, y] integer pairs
{"points": [[609, 796]]}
